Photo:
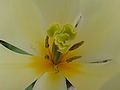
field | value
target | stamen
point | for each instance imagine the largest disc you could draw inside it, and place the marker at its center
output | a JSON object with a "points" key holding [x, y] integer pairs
{"points": [[78, 22], [47, 42], [73, 58], [47, 57], [77, 45], [103, 61]]}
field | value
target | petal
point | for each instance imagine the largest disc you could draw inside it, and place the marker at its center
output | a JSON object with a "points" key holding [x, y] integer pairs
{"points": [[112, 84], [51, 81], [100, 28], [89, 76], [59, 11], [20, 24], [15, 73]]}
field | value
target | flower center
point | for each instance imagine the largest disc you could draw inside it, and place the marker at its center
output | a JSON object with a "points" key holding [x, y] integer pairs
{"points": [[58, 51], [58, 44]]}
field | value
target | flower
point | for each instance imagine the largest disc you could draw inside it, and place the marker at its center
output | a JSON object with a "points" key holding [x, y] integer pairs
{"points": [[27, 24]]}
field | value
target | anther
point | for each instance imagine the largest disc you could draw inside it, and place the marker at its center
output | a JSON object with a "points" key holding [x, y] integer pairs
{"points": [[47, 57], [73, 58], [103, 61], [78, 21], [77, 45], [47, 42]]}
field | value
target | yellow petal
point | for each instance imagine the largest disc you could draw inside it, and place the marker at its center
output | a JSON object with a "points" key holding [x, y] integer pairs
{"points": [[59, 11], [51, 81], [100, 27], [15, 73], [89, 76]]}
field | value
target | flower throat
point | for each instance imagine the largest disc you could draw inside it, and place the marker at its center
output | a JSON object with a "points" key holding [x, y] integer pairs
{"points": [[58, 43]]}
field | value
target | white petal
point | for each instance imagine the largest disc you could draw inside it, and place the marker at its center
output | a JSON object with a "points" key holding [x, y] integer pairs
{"points": [[20, 24], [15, 73], [59, 11], [100, 28], [112, 84], [90, 76], [51, 81]]}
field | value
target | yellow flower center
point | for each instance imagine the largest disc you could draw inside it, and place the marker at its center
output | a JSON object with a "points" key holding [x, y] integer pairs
{"points": [[58, 52]]}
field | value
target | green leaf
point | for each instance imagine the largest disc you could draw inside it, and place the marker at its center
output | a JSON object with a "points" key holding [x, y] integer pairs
{"points": [[13, 48], [30, 87]]}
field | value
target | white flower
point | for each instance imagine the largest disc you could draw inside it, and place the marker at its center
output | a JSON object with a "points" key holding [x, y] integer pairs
{"points": [[24, 24]]}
